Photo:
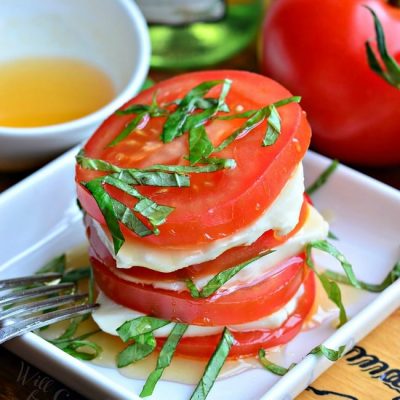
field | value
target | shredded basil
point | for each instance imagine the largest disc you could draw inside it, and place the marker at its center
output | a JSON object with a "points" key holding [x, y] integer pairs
{"points": [[143, 112], [200, 146], [140, 326], [332, 236], [164, 358], [214, 366], [322, 179], [393, 275], [57, 264], [176, 123], [330, 354], [331, 287], [220, 279], [144, 345], [391, 73], [256, 117], [272, 367]]}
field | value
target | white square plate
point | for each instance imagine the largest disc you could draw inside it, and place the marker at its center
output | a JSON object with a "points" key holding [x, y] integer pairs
{"points": [[39, 220]]}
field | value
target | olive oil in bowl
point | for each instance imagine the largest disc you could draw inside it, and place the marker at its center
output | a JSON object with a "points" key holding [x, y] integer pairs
{"points": [[46, 91]]}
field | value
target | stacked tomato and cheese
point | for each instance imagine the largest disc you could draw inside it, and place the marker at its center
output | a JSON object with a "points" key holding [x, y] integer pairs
{"points": [[224, 218]]}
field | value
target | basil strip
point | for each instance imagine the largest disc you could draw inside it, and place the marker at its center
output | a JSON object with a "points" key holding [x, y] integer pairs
{"points": [[139, 326], [105, 203], [154, 212], [331, 355], [131, 173], [330, 286], [392, 72], [144, 345], [57, 264], [325, 175], [129, 128], [326, 247], [393, 275], [220, 279], [175, 124], [256, 117], [75, 275], [272, 367], [200, 146], [332, 236], [214, 366], [154, 178], [164, 358]]}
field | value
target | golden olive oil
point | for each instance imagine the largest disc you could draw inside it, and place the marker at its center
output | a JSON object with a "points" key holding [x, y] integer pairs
{"points": [[47, 91]]}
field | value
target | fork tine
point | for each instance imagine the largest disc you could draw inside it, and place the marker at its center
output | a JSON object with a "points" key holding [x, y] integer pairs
{"points": [[24, 308], [30, 324], [34, 292], [28, 280]]}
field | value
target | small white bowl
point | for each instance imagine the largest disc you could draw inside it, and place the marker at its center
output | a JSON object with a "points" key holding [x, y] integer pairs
{"points": [[110, 34]]}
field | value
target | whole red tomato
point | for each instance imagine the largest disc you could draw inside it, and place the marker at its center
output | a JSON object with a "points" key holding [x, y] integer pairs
{"points": [[317, 50]]}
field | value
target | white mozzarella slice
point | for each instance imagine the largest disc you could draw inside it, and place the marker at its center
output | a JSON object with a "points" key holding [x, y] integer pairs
{"points": [[315, 228], [282, 217], [110, 315]]}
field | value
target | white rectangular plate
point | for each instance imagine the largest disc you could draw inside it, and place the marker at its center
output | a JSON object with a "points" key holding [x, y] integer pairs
{"points": [[39, 220]]}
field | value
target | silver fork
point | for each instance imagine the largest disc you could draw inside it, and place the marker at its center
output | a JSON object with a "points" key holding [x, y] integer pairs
{"points": [[14, 320]]}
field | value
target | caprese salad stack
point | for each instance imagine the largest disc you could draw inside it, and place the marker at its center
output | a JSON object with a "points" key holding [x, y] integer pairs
{"points": [[194, 205]]}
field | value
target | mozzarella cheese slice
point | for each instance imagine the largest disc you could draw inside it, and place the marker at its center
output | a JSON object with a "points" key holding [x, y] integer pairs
{"points": [[282, 216], [110, 315], [315, 228]]}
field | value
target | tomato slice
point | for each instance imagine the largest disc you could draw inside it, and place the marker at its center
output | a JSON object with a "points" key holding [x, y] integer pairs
{"points": [[243, 305], [216, 204], [226, 260], [249, 343]]}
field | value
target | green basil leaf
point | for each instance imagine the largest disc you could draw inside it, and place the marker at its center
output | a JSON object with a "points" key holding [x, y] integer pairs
{"points": [[249, 125], [106, 205], [273, 126], [72, 349], [130, 220], [152, 178], [134, 109], [57, 265], [164, 358], [75, 275], [129, 128], [175, 123], [322, 179], [95, 164], [272, 367], [139, 326], [214, 366], [331, 355], [220, 279], [392, 72], [393, 275], [327, 247], [332, 236], [156, 213], [200, 145], [144, 345], [331, 288]]}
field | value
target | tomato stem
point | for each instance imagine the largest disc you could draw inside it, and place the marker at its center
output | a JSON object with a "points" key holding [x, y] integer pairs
{"points": [[394, 3]]}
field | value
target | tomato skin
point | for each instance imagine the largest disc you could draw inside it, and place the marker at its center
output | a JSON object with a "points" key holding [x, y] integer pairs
{"points": [[318, 52], [205, 213], [249, 343], [250, 303]]}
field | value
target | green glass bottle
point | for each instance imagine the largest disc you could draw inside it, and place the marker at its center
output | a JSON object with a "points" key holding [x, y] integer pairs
{"points": [[194, 34]]}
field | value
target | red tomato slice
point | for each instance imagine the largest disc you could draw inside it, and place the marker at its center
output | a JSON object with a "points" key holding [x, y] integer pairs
{"points": [[226, 260], [249, 343], [246, 304], [216, 204]]}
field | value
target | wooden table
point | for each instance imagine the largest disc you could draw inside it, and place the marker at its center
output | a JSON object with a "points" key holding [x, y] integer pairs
{"points": [[371, 371]]}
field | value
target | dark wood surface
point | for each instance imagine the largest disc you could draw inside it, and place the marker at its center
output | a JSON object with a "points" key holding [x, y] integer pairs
{"points": [[19, 380]]}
